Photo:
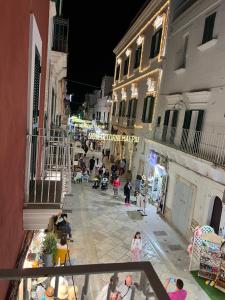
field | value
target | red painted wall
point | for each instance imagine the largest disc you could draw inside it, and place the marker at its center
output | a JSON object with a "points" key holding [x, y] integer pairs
{"points": [[14, 55]]}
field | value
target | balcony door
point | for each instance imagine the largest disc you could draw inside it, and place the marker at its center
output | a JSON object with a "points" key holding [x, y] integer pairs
{"points": [[165, 125], [131, 114], [173, 128], [192, 130]]}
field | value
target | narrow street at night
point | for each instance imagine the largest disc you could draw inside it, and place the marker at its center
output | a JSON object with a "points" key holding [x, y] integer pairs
{"points": [[103, 229]]}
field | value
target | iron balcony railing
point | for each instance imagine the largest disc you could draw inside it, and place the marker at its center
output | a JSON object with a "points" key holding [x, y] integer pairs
{"points": [[89, 281], [131, 122], [48, 168], [60, 34], [204, 144], [115, 119]]}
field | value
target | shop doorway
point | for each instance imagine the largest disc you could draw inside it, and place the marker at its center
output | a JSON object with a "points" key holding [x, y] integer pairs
{"points": [[181, 209], [216, 214]]}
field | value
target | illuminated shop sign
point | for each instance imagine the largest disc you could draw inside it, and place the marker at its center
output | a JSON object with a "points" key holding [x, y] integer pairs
{"points": [[113, 137]]}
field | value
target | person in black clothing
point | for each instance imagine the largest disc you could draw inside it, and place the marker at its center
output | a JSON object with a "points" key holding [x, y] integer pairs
{"points": [[107, 153], [113, 168], [127, 189], [62, 224], [92, 164]]}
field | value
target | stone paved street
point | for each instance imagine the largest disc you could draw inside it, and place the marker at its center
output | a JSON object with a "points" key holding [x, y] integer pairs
{"points": [[103, 229]]}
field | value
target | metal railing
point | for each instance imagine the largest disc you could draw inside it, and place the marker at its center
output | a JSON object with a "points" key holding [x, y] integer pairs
{"points": [[60, 35], [208, 145], [131, 122], [115, 119], [48, 168], [90, 280]]}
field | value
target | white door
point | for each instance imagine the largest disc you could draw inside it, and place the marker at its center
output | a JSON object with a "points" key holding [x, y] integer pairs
{"points": [[181, 209]]}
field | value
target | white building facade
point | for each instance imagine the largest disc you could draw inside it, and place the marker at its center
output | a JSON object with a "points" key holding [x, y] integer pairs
{"points": [[99, 102], [181, 150], [191, 109], [138, 71], [57, 68]]}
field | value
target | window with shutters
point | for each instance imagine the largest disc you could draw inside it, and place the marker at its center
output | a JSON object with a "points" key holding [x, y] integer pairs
{"points": [[114, 109], [156, 43], [126, 66], [137, 57], [37, 71], [148, 109], [118, 72], [208, 29], [122, 108], [182, 54]]}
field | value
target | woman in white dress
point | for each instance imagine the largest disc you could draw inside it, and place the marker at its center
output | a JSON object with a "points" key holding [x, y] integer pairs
{"points": [[136, 247]]}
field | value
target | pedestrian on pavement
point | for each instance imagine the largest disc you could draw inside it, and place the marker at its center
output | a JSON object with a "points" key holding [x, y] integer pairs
{"points": [[126, 289], [110, 289], [107, 153], [116, 185], [97, 165], [63, 225], [122, 167], [103, 154], [179, 293], [127, 189], [136, 247], [92, 164]]}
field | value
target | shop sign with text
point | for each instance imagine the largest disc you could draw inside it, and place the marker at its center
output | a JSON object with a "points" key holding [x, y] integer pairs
{"points": [[113, 137]]}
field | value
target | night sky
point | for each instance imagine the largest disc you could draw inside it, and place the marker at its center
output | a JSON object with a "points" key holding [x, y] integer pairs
{"points": [[96, 27]]}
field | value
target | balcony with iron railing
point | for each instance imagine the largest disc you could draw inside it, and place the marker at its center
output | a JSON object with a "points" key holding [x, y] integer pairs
{"points": [[88, 281], [208, 145], [131, 122], [48, 175], [60, 34]]}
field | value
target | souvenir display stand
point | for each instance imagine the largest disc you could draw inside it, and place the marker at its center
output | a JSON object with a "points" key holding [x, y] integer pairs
{"points": [[196, 247], [210, 256], [220, 280]]}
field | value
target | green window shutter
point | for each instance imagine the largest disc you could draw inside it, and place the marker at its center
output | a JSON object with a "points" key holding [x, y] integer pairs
{"points": [[144, 110], [120, 109], [159, 37], [129, 109], [151, 109], [137, 57], [152, 53], [117, 72], [175, 118], [37, 71], [134, 108], [126, 66], [209, 27]]}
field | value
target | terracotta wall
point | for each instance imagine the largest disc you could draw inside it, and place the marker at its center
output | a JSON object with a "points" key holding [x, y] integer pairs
{"points": [[14, 32]]}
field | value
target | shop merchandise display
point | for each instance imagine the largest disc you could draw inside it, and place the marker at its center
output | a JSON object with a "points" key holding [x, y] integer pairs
{"points": [[207, 253], [209, 261], [220, 280]]}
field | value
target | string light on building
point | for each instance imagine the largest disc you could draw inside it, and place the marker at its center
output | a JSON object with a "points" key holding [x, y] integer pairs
{"points": [[119, 60], [151, 85], [134, 90], [140, 40], [158, 22], [113, 137], [128, 52], [124, 94], [115, 97]]}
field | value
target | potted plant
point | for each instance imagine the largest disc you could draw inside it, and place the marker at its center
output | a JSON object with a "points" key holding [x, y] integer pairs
{"points": [[49, 249]]}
